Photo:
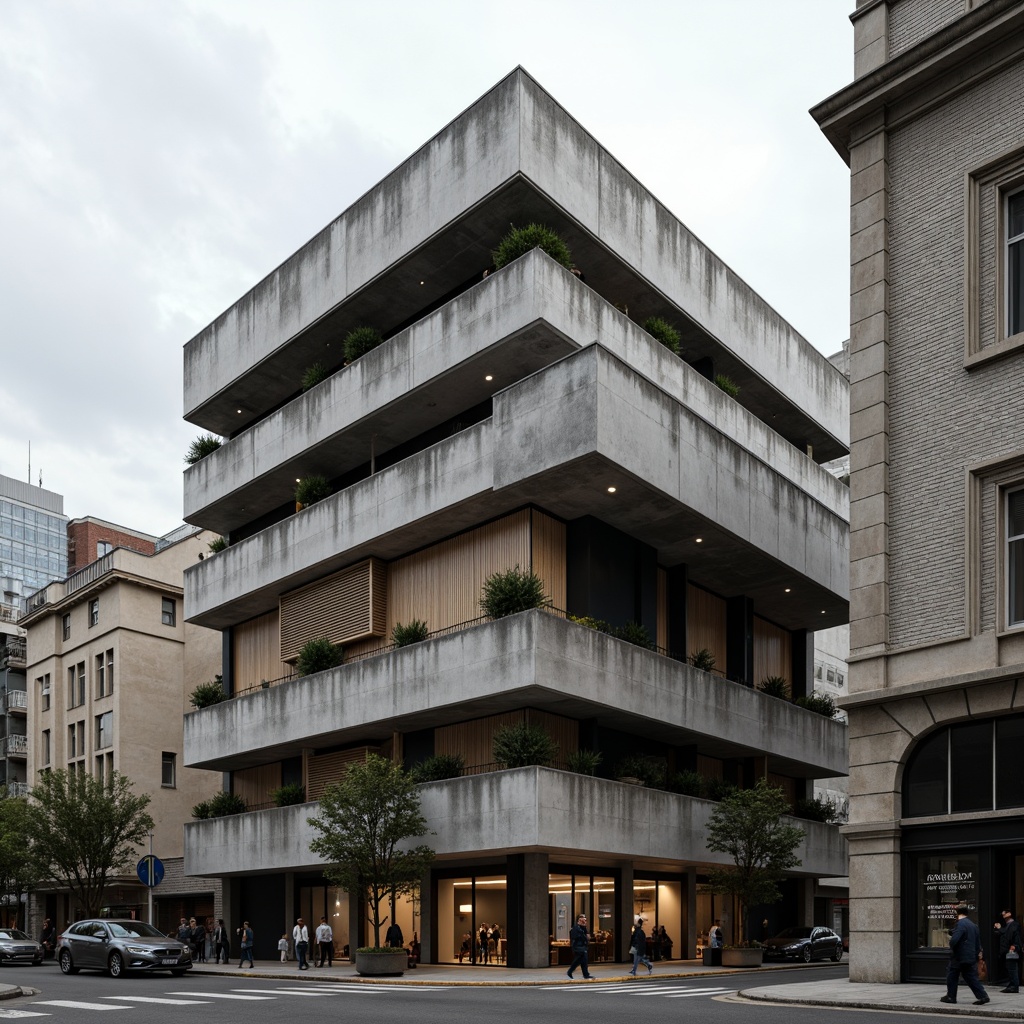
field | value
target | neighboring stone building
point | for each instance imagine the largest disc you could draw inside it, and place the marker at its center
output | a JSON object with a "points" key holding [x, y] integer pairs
{"points": [[515, 417], [933, 130], [110, 664]]}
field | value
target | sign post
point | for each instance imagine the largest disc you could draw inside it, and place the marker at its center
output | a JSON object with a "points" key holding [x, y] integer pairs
{"points": [[151, 873]]}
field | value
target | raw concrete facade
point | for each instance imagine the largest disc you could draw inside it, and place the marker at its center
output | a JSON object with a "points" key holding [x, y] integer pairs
{"points": [[530, 391], [931, 130]]}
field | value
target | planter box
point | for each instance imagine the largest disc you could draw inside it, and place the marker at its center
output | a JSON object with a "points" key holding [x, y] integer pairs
{"points": [[742, 957], [712, 956], [378, 964]]}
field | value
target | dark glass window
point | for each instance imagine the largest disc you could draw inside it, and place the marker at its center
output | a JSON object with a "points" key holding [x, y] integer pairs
{"points": [[1009, 776], [924, 789], [970, 751]]}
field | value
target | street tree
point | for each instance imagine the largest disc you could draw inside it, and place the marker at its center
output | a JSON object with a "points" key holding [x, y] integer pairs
{"points": [[83, 832], [365, 824], [748, 825], [18, 873]]}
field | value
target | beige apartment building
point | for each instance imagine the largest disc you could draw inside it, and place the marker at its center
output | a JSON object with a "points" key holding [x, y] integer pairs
{"points": [[110, 664], [933, 130]]}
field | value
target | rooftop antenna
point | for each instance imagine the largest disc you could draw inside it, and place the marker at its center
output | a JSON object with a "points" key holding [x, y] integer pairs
{"points": [[30, 463]]}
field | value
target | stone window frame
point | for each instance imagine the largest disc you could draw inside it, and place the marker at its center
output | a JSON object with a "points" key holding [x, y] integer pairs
{"points": [[1006, 474], [1005, 541], [1006, 174]]}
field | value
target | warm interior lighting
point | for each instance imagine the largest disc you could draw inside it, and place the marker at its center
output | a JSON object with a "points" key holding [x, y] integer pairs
{"points": [[788, 589], [489, 377], [464, 908], [611, 490], [699, 540]]}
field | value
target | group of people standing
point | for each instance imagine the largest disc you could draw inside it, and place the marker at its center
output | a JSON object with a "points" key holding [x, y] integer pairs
{"points": [[204, 939], [965, 953], [483, 948], [323, 936]]}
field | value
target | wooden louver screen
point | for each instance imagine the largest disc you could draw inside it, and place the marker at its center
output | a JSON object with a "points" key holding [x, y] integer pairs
{"points": [[348, 606], [327, 768]]}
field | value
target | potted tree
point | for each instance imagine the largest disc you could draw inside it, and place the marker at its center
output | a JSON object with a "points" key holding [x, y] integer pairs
{"points": [[748, 825], [364, 823]]}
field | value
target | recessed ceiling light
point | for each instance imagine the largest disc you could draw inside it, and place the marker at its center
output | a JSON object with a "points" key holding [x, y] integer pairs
{"points": [[239, 411], [611, 490], [298, 479], [788, 589], [699, 540], [488, 377], [823, 612], [423, 282]]}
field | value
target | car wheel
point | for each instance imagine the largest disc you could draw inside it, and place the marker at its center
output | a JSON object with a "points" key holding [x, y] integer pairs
{"points": [[838, 954], [115, 965], [66, 967], [806, 954]]}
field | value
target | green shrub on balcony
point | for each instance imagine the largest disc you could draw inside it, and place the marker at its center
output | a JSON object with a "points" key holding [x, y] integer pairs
{"points": [[202, 446], [286, 796], [318, 656], [584, 762], [207, 694], [717, 789], [661, 330], [634, 633], [360, 341], [522, 744], [818, 809], [408, 633], [775, 686], [702, 659], [217, 544], [220, 806], [819, 703], [649, 770], [311, 489], [687, 782], [438, 767], [520, 241], [512, 591], [591, 623], [727, 384], [315, 374]]}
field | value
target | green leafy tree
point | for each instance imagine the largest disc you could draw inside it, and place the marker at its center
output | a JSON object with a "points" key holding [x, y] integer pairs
{"points": [[748, 825], [18, 871], [83, 832], [364, 826]]}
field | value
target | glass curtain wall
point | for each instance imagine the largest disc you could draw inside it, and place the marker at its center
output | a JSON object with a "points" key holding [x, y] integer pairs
{"points": [[659, 901], [572, 894], [472, 925]]}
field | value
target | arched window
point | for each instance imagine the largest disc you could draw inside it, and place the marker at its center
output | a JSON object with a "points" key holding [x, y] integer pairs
{"points": [[971, 766]]}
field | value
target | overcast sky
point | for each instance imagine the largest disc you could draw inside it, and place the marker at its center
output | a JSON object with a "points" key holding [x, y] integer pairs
{"points": [[159, 157]]}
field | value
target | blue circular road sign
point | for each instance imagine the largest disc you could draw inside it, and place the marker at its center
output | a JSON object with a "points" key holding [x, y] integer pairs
{"points": [[150, 870]]}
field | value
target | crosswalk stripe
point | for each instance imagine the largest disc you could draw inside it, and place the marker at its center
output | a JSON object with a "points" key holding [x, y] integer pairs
{"points": [[74, 1004], [157, 999], [13, 1014], [700, 992], [219, 995]]}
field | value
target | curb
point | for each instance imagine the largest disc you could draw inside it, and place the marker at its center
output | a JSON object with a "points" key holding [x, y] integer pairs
{"points": [[15, 991], [864, 1004]]}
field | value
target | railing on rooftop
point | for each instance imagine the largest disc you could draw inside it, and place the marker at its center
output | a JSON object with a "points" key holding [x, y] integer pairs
{"points": [[89, 573], [16, 699]]}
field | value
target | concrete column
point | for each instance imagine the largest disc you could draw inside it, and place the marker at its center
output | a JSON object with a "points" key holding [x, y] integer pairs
{"points": [[804, 903], [625, 909], [536, 948], [689, 940], [875, 902], [426, 920], [356, 921], [289, 902]]}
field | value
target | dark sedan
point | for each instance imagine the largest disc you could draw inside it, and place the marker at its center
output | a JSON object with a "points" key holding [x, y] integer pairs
{"points": [[120, 946], [805, 943], [17, 948]]}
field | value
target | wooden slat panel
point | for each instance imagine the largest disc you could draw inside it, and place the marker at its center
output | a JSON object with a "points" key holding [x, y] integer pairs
{"points": [[709, 767], [705, 624], [788, 786], [773, 651], [256, 651], [254, 785], [549, 556], [320, 771], [475, 740], [344, 607], [662, 638], [564, 731]]}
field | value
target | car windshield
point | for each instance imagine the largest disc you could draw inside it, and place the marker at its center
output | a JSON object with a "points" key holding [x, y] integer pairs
{"points": [[134, 929], [794, 933], [12, 933]]}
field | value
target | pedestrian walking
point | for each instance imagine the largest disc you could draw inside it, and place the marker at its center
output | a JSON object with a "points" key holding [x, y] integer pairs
{"points": [[579, 942], [300, 939], [638, 947], [220, 942], [245, 933], [325, 940], [964, 952]]}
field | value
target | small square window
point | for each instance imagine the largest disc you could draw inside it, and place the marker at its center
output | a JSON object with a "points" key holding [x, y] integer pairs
{"points": [[168, 611], [103, 547], [830, 675], [94, 611], [840, 679], [168, 766]]}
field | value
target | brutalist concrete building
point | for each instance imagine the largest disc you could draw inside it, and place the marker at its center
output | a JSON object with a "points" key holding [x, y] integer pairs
{"points": [[932, 128], [516, 417]]}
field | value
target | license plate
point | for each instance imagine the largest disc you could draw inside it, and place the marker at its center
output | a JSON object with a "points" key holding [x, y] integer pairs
{"points": [[169, 961]]}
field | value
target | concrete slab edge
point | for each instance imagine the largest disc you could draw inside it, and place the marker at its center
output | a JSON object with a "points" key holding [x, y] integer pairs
{"points": [[867, 1004]]}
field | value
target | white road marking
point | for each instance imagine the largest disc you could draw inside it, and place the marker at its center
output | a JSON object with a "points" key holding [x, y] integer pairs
{"points": [[157, 999], [218, 995], [74, 1004], [12, 1014]]}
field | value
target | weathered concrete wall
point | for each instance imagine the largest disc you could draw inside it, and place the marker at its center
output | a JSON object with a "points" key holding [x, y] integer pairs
{"points": [[531, 658], [525, 809]]}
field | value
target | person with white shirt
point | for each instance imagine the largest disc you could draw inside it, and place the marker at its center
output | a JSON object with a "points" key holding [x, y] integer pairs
{"points": [[300, 938], [325, 939]]}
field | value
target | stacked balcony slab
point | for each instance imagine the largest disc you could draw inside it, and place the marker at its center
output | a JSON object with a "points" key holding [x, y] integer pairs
{"points": [[525, 388]]}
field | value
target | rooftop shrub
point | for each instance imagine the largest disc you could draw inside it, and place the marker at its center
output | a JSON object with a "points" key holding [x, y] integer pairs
{"points": [[520, 241], [360, 341], [318, 656], [522, 744], [202, 446], [511, 591], [661, 330]]}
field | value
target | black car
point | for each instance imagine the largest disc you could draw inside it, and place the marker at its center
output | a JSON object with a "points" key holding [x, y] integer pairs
{"points": [[119, 946], [805, 943]]}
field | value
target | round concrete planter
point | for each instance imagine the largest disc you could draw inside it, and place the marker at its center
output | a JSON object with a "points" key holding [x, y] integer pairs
{"points": [[376, 964], [742, 957]]}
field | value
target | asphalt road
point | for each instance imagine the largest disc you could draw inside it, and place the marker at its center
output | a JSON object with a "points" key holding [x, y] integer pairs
{"points": [[161, 999]]}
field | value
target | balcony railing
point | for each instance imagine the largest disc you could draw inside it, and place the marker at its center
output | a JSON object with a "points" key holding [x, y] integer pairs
{"points": [[16, 746], [15, 649], [16, 700], [18, 789]]}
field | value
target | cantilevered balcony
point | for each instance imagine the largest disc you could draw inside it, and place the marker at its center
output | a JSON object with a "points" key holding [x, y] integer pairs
{"points": [[516, 322], [524, 809], [528, 660], [558, 440]]}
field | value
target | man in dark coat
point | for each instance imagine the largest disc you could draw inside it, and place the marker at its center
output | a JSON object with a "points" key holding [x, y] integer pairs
{"points": [[964, 950], [1009, 943], [579, 942]]}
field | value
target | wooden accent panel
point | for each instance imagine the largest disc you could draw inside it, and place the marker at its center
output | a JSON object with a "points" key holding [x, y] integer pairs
{"points": [[787, 785], [256, 651], [705, 624], [344, 607], [548, 556], [475, 740], [254, 785], [662, 610], [709, 767], [320, 771], [773, 651]]}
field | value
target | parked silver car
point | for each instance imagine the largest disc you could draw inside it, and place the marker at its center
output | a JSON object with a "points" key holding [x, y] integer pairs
{"points": [[18, 948], [119, 946]]}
